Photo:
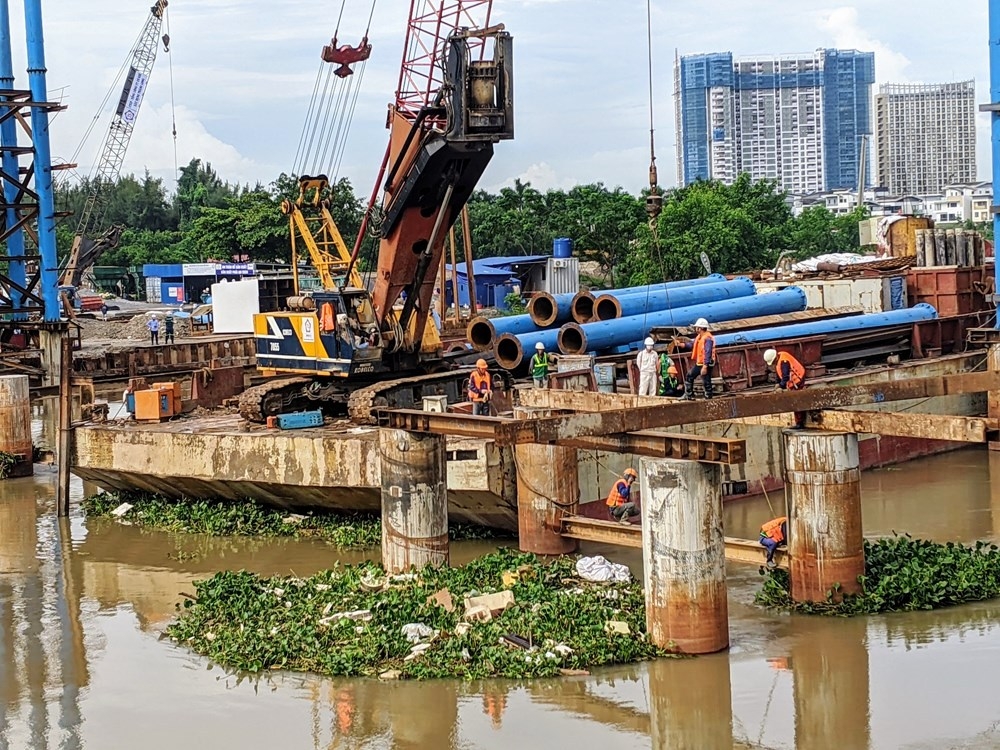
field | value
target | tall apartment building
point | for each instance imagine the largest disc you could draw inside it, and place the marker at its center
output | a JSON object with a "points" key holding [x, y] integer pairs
{"points": [[925, 136], [794, 118]]}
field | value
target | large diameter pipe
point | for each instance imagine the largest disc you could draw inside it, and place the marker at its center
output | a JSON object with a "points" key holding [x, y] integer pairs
{"points": [[610, 306], [551, 309], [582, 305], [483, 332], [511, 350], [920, 311], [579, 339]]}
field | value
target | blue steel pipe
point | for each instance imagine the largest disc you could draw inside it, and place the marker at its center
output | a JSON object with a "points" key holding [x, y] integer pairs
{"points": [[918, 312], [483, 332], [994, 108], [11, 167], [43, 161], [511, 350], [608, 307], [578, 339], [582, 306]]}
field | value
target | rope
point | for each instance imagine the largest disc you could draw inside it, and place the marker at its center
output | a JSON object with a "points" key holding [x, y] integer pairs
{"points": [[297, 164], [173, 111]]}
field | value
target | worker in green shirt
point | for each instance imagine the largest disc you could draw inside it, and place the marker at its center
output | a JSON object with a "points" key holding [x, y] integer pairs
{"points": [[670, 384], [540, 362]]}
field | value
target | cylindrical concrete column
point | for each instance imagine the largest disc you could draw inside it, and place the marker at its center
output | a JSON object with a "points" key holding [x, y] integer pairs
{"points": [[684, 555], [825, 543], [548, 487], [920, 247], [691, 702], [15, 423], [414, 500]]}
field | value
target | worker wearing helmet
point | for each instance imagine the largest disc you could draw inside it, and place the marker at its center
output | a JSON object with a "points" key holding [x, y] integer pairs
{"points": [[540, 363], [480, 389], [648, 363], [702, 358], [791, 373], [670, 381], [620, 505]]}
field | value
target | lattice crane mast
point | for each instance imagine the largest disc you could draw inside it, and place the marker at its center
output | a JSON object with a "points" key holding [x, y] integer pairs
{"points": [[87, 248]]}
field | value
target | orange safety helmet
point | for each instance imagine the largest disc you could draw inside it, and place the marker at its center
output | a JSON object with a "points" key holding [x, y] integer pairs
{"points": [[672, 370], [630, 472], [481, 364]]}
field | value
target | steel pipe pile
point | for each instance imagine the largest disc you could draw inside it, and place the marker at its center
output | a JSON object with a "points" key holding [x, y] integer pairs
{"points": [[511, 350], [612, 306], [483, 332], [582, 304], [574, 338]]}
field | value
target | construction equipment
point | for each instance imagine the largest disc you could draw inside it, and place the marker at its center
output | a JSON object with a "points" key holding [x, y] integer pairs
{"points": [[92, 239], [453, 103]]}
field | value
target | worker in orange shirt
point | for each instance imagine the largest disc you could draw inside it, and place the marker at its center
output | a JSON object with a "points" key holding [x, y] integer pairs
{"points": [[774, 534], [702, 359], [620, 503], [791, 373], [480, 389]]}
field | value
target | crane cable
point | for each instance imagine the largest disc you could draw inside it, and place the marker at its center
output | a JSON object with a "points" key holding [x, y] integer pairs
{"points": [[170, 67]]}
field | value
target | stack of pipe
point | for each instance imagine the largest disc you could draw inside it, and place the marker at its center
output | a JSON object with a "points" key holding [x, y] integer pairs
{"points": [[483, 332], [583, 303], [613, 306]]}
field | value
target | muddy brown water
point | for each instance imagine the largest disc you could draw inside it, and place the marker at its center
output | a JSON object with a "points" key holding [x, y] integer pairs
{"points": [[83, 603]]}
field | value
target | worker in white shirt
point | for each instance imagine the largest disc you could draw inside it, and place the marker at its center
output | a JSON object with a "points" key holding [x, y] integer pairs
{"points": [[648, 363]]}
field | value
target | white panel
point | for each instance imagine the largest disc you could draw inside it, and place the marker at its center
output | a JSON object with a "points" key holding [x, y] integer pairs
{"points": [[234, 303]]}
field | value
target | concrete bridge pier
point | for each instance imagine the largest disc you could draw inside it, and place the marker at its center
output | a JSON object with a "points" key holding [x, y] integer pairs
{"points": [[548, 488], [823, 483], [414, 499], [684, 555]]}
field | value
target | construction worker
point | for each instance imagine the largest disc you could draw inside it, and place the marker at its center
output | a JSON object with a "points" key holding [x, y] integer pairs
{"points": [[670, 384], [620, 506], [480, 389], [702, 359], [774, 534], [791, 373], [540, 362], [648, 363]]}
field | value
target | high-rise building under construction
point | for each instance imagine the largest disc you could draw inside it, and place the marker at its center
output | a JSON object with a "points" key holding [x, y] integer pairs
{"points": [[925, 136], [797, 119]]}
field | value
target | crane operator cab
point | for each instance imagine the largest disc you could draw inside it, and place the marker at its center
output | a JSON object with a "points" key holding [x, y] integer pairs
{"points": [[329, 332]]}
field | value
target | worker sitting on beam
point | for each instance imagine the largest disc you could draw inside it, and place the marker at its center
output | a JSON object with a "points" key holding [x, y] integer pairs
{"points": [[774, 534], [620, 503]]}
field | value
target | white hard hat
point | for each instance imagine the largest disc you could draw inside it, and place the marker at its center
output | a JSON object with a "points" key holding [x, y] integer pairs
{"points": [[649, 341], [539, 346], [701, 323], [770, 355]]}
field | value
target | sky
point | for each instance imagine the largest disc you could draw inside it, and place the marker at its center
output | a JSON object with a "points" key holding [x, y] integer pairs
{"points": [[243, 73]]}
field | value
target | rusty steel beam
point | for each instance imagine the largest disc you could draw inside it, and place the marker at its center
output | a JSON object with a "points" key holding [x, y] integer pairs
{"points": [[630, 535], [906, 424], [589, 424], [654, 444]]}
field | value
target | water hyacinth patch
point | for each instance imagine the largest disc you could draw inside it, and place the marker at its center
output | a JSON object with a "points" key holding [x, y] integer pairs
{"points": [[251, 518], [903, 574], [342, 622]]}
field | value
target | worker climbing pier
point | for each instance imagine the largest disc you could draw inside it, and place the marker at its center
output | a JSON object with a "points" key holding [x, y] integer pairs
{"points": [[823, 484], [414, 500], [548, 487], [684, 555]]}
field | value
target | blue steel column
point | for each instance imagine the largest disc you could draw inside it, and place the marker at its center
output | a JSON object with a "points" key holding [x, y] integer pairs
{"points": [[11, 164], [43, 160], [995, 120]]}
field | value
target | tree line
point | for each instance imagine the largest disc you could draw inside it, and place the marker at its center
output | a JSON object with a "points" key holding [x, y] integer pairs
{"points": [[740, 227]]}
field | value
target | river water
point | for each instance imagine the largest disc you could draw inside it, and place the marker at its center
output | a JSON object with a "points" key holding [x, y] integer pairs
{"points": [[82, 665]]}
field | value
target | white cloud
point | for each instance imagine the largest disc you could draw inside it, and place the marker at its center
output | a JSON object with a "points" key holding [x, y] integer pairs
{"points": [[541, 176], [847, 32]]}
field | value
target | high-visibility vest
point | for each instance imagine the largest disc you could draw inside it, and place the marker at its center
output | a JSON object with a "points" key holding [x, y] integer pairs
{"points": [[479, 384], [698, 350], [772, 529], [796, 372], [615, 496], [540, 365], [327, 322]]}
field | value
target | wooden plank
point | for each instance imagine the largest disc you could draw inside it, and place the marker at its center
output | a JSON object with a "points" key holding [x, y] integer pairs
{"points": [[906, 424], [630, 535]]}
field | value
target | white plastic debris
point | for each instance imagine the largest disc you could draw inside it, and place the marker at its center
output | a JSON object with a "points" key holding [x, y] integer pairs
{"points": [[121, 510], [415, 632], [597, 568], [562, 649]]}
